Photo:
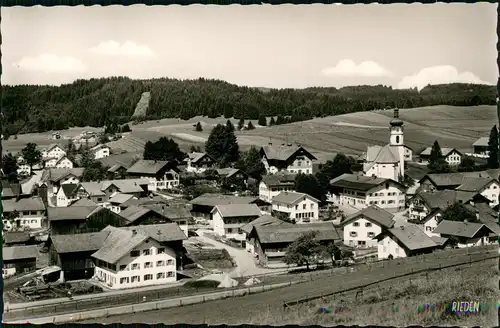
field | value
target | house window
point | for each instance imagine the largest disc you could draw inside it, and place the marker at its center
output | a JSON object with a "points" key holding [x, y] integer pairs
{"points": [[123, 267], [397, 250], [124, 280], [148, 265], [148, 277], [303, 206], [135, 266], [353, 234], [368, 224], [312, 206], [428, 228], [160, 263], [170, 262], [161, 250], [170, 274], [371, 234], [160, 275], [136, 279], [229, 230], [356, 224], [99, 199], [146, 252], [296, 207], [135, 253]]}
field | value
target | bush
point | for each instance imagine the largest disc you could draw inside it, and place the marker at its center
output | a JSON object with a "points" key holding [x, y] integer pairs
{"points": [[202, 284]]}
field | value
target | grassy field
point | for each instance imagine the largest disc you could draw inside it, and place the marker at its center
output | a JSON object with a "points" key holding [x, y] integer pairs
{"points": [[258, 308]]}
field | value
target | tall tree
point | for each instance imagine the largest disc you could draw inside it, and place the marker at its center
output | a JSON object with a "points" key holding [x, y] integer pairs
{"points": [[10, 167], [309, 184], [94, 171], [262, 120], [467, 165], [198, 128], [222, 145], [493, 150], [229, 126], [304, 251], [437, 162], [241, 124], [165, 149], [272, 121], [250, 162], [458, 212], [250, 126], [339, 165], [31, 155]]}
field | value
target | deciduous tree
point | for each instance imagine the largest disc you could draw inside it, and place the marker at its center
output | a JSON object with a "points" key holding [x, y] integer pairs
{"points": [[165, 149], [458, 212], [309, 184], [306, 250]]}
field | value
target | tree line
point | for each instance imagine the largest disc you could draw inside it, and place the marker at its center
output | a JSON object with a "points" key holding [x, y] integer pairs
{"points": [[96, 102]]}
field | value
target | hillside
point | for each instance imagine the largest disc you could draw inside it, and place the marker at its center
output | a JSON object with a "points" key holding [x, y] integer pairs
{"points": [[31, 108]]}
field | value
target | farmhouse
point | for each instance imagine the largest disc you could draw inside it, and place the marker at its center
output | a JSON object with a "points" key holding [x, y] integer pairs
{"points": [[389, 161], [272, 185], [162, 175], [481, 146], [116, 201], [18, 259], [117, 171], [65, 196], [53, 151], [423, 203], [271, 241], [466, 234], [228, 219], [61, 163], [25, 213], [100, 151], [261, 221], [360, 191], [203, 205], [73, 253], [16, 238], [232, 176], [296, 206], [54, 178], [404, 241], [176, 213], [361, 227], [199, 162], [100, 192], [293, 159], [451, 155], [139, 257]]}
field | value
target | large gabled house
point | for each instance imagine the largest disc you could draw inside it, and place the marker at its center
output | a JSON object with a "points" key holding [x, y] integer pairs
{"points": [[199, 162], [287, 157], [487, 187], [361, 191], [139, 256], [25, 213], [261, 221], [296, 206], [162, 175], [361, 228], [465, 234], [272, 185], [52, 179], [228, 219], [451, 155], [203, 205], [53, 151]]}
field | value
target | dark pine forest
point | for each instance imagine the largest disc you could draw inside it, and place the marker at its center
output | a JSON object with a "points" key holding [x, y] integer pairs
{"points": [[95, 102]]}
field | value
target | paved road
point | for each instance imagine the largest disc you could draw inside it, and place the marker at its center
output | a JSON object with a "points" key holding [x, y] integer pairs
{"points": [[245, 309]]}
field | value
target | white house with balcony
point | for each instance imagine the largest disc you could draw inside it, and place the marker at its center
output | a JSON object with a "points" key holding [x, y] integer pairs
{"points": [[228, 219], [359, 192], [361, 228], [53, 151], [26, 213], [296, 206], [287, 157], [139, 256], [271, 185], [162, 175], [451, 155], [100, 151]]}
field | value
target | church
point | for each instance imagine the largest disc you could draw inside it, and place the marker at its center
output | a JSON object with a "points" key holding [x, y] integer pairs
{"points": [[388, 161]]}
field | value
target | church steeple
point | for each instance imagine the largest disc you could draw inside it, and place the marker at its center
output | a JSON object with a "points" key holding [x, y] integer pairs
{"points": [[396, 138]]}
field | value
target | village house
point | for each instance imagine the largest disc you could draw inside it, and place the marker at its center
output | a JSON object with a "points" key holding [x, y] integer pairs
{"points": [[287, 157], [136, 215], [54, 178], [233, 177], [296, 206], [388, 162], [228, 219], [489, 188], [261, 221], [272, 185], [420, 205], [100, 151], [162, 175], [16, 238], [116, 202], [361, 191], [53, 151], [26, 213], [58, 163], [73, 253], [361, 227], [18, 259], [10, 190], [404, 241], [139, 257], [199, 162], [81, 219], [65, 196], [465, 234], [203, 205], [271, 241], [101, 192], [175, 213], [451, 155], [481, 146], [117, 171], [443, 181]]}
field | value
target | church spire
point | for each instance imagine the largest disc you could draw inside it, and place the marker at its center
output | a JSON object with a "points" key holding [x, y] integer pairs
{"points": [[396, 121]]}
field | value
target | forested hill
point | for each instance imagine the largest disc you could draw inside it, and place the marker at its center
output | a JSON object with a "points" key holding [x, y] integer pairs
{"points": [[31, 108]]}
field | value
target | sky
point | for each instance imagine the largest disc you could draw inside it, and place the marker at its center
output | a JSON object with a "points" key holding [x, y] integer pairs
{"points": [[285, 46]]}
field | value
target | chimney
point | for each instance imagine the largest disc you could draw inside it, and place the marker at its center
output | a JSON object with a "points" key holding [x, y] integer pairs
{"points": [[396, 113], [134, 232]]}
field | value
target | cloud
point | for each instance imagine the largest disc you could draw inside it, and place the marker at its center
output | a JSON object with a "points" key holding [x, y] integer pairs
{"points": [[49, 63], [127, 49], [348, 67], [438, 75]]}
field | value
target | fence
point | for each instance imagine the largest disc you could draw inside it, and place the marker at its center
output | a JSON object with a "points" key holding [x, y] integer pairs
{"points": [[413, 271]]}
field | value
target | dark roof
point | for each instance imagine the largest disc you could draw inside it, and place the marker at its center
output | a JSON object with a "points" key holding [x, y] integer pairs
{"points": [[82, 242], [70, 213], [375, 214], [116, 167], [19, 253], [14, 237], [359, 182], [68, 188], [412, 237], [54, 175], [228, 172], [85, 202], [454, 179], [261, 221], [164, 232], [290, 233], [459, 229], [209, 199], [274, 180], [444, 151], [289, 197], [148, 166], [134, 212], [171, 211], [284, 152], [475, 184], [445, 198]]}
